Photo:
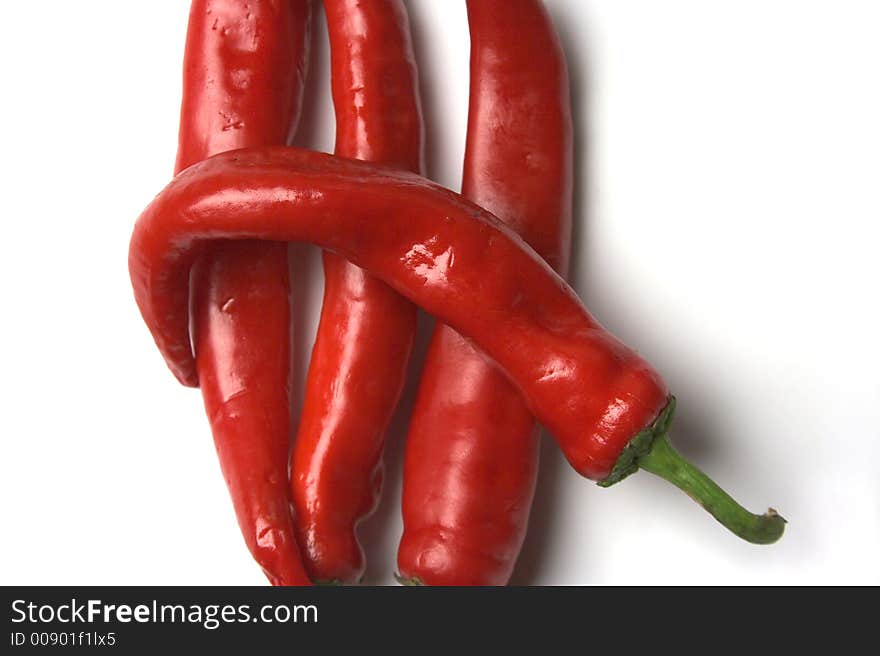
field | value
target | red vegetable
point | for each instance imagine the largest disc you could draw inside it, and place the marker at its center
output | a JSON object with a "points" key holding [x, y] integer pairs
{"points": [[608, 409], [243, 82], [366, 331], [472, 448]]}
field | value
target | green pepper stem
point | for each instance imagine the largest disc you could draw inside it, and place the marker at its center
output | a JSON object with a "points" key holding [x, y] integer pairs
{"points": [[413, 581], [667, 463]]}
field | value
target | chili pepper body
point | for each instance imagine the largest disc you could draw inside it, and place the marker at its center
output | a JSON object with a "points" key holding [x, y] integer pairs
{"points": [[472, 448], [244, 70], [439, 250], [607, 408], [365, 334]]}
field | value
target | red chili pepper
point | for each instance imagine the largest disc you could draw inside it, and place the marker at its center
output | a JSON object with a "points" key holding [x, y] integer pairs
{"points": [[365, 335], [607, 408], [472, 448], [244, 69]]}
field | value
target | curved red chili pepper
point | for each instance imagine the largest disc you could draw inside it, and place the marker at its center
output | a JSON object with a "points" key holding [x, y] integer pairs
{"points": [[472, 447], [244, 70], [366, 330], [444, 253], [607, 408]]}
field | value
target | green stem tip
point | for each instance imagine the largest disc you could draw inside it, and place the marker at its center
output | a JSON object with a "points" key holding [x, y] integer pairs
{"points": [[667, 463], [652, 451], [409, 582]]}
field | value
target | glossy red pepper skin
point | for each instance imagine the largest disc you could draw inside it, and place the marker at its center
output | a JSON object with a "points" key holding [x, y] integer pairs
{"points": [[472, 448], [365, 334], [444, 253], [244, 71]]}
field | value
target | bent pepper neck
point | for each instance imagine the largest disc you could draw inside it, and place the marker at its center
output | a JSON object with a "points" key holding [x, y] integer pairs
{"points": [[628, 461]]}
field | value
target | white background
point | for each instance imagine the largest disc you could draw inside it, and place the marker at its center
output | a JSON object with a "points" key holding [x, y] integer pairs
{"points": [[727, 209]]}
